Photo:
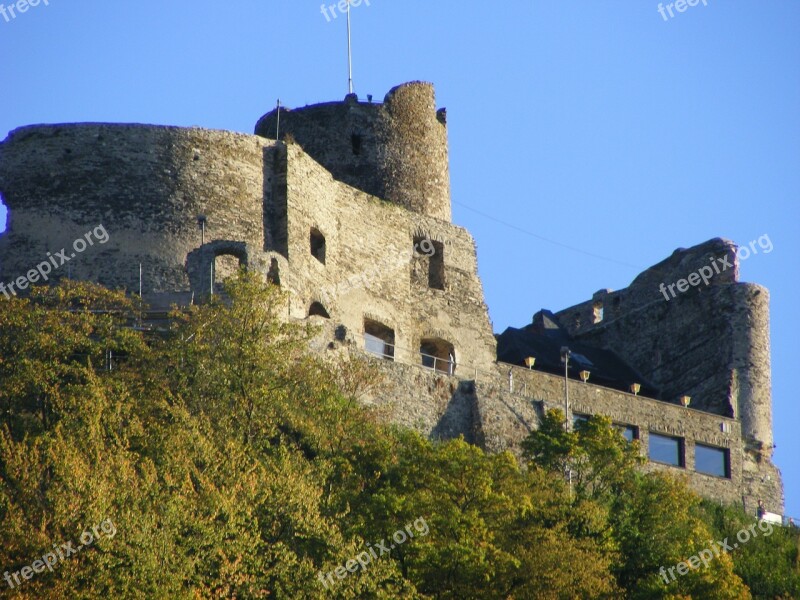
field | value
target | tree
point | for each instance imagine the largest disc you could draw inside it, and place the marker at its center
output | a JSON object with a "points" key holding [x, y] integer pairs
{"points": [[644, 522]]}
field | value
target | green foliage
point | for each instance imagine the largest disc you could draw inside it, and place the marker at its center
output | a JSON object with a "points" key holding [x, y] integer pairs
{"points": [[600, 460], [234, 464], [643, 522], [769, 562]]}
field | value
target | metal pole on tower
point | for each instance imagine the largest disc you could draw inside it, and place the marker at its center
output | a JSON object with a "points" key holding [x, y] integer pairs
{"points": [[349, 54], [278, 126]]}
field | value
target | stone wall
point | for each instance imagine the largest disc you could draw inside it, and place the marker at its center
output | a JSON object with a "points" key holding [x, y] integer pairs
{"points": [[338, 221], [497, 414], [396, 150], [145, 184], [370, 268], [710, 342]]}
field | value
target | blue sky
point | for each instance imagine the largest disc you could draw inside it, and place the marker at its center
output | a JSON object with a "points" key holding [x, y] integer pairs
{"points": [[600, 127]]}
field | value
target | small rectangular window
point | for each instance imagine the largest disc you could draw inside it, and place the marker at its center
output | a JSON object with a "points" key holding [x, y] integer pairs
{"points": [[629, 432], [579, 420], [355, 139], [430, 255], [597, 312], [666, 449], [712, 461]]}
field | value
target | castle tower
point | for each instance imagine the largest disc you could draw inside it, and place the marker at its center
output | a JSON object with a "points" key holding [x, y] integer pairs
{"points": [[396, 151]]}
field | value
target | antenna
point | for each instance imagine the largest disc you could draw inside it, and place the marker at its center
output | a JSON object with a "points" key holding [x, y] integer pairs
{"points": [[349, 53]]}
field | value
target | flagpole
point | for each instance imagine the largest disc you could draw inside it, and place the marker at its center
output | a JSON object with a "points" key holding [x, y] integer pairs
{"points": [[349, 54]]}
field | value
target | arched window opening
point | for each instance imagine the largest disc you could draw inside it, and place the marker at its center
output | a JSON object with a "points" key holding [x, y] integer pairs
{"points": [[378, 339], [317, 310], [226, 266], [317, 245], [438, 354]]}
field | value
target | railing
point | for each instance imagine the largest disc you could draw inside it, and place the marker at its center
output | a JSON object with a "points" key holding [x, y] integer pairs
{"points": [[383, 353], [429, 361], [440, 365]]}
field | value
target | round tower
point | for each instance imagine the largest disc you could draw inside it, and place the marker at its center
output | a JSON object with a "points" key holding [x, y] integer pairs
{"points": [[145, 185], [396, 150], [751, 373]]}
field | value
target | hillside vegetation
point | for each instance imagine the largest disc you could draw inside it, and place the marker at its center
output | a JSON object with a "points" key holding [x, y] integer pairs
{"points": [[222, 460]]}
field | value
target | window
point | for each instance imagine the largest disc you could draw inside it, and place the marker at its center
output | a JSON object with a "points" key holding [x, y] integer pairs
{"points": [[378, 339], [666, 449], [597, 312], [274, 273], [318, 245], [712, 461], [317, 310], [579, 421], [429, 262], [355, 140], [4, 208], [226, 266], [438, 354], [629, 432]]}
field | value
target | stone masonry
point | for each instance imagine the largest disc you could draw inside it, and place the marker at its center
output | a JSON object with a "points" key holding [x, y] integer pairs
{"points": [[346, 206]]}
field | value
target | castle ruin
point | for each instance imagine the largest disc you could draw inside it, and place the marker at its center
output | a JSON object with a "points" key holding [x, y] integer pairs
{"points": [[346, 205]]}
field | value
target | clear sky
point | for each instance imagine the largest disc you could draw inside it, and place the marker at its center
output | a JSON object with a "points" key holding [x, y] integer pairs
{"points": [[599, 126]]}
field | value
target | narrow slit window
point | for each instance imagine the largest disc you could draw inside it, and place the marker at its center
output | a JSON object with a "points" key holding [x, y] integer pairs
{"points": [[356, 142], [597, 312], [318, 245]]}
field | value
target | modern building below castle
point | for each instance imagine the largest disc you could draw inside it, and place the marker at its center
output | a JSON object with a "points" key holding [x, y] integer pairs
{"points": [[346, 206]]}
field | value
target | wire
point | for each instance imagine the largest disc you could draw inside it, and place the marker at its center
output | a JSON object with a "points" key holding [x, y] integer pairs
{"points": [[549, 241]]}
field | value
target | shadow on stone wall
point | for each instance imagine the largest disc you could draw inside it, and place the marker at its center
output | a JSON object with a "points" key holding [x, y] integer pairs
{"points": [[459, 417]]}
